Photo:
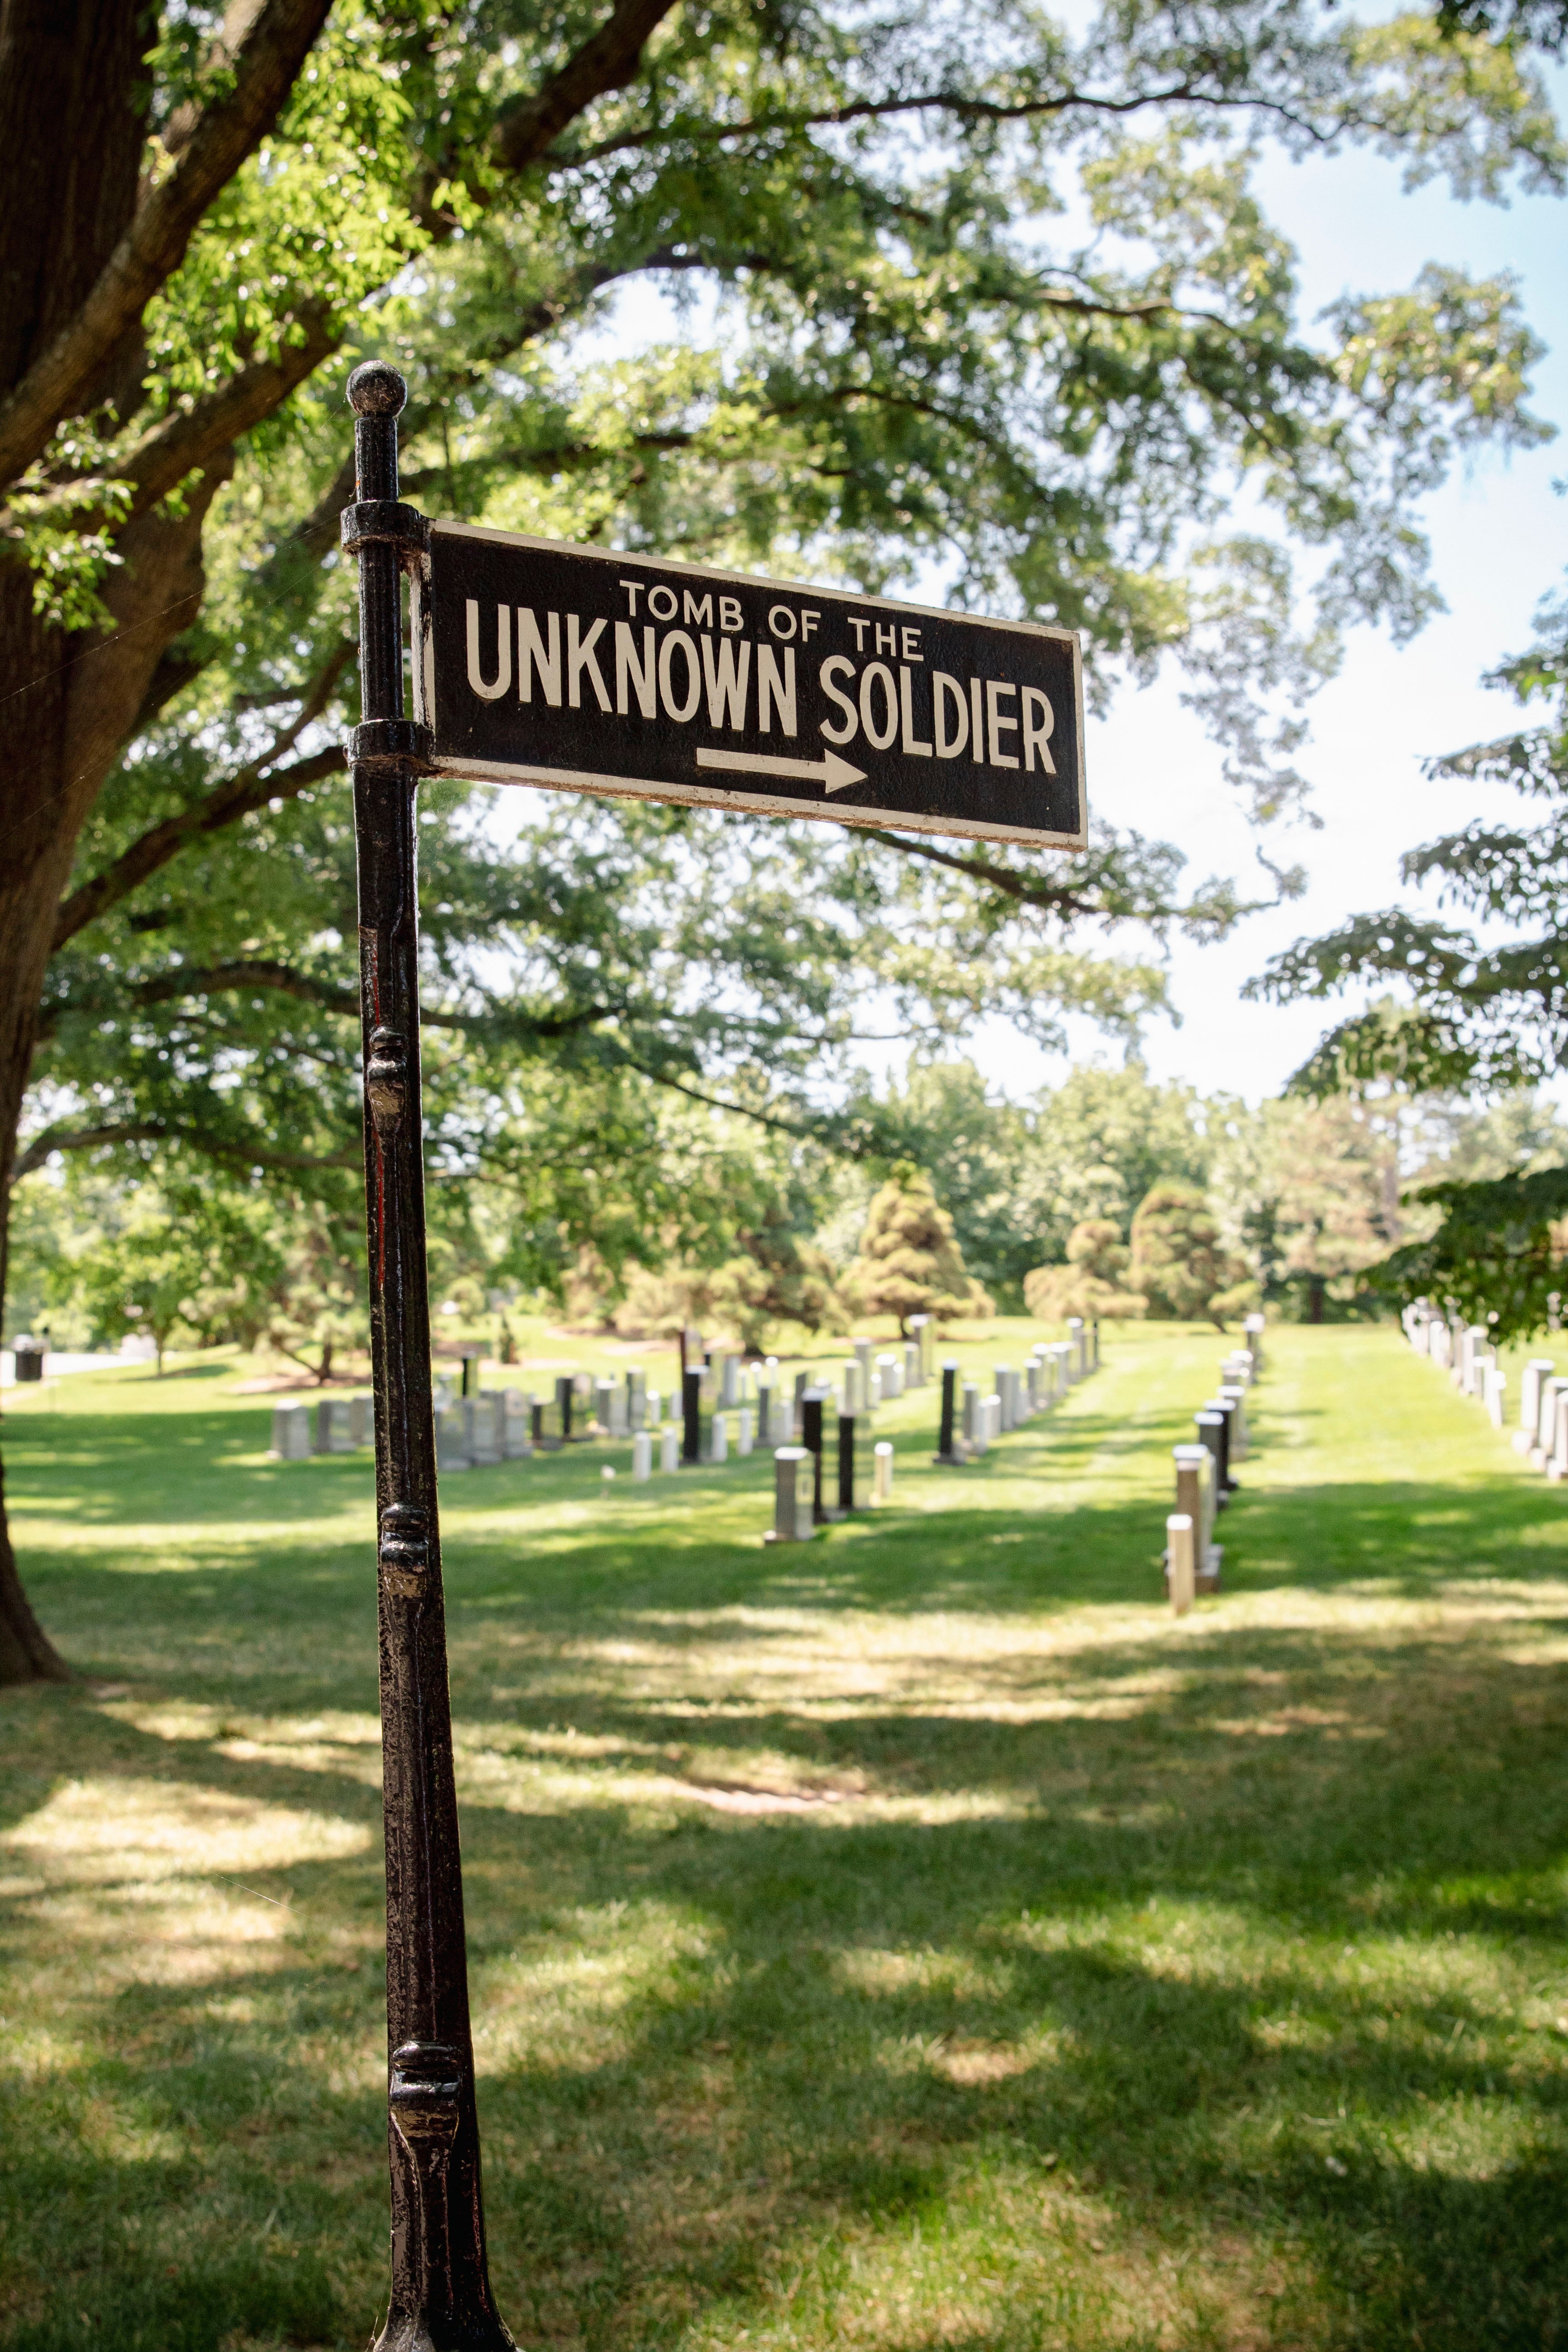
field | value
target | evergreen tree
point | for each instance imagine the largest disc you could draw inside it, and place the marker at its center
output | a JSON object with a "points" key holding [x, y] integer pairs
{"points": [[909, 1261], [1179, 1263], [1090, 1283]]}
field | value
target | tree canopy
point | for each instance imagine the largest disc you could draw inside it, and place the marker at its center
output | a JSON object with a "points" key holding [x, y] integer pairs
{"points": [[902, 364], [1466, 1009]]}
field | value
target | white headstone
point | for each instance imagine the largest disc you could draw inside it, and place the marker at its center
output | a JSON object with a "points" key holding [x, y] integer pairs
{"points": [[291, 1432], [517, 1425], [481, 1418], [1181, 1555], [1557, 1461], [1539, 1368], [451, 1451]]}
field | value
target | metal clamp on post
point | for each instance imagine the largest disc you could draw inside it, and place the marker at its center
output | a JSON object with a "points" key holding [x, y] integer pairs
{"points": [[378, 742], [384, 522]]}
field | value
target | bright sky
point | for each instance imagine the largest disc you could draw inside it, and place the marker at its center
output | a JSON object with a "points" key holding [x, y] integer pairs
{"points": [[1499, 545]]}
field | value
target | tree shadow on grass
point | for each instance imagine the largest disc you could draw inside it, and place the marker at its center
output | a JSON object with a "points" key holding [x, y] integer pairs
{"points": [[1111, 2004]]}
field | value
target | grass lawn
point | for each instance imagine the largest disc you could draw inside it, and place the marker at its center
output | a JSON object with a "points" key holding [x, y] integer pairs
{"points": [[915, 1939]]}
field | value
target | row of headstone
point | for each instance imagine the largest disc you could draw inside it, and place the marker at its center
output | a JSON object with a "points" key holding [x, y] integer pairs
{"points": [[971, 1420], [834, 1465], [807, 1495], [1205, 1476], [1468, 1352], [332, 1425]]}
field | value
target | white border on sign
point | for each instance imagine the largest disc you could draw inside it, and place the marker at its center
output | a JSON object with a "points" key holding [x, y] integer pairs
{"points": [[714, 796], [636, 788]]}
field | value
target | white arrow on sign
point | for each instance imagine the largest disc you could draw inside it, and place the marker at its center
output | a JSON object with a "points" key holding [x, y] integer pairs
{"points": [[831, 772]]}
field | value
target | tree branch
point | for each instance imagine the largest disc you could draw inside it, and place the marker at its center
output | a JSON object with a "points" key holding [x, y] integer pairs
{"points": [[716, 1102], [187, 437], [228, 130], [962, 103], [317, 534], [1028, 893], [607, 61], [260, 972], [251, 789], [245, 1154]]}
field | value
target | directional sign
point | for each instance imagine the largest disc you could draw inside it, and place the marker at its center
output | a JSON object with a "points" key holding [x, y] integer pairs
{"points": [[538, 662]]}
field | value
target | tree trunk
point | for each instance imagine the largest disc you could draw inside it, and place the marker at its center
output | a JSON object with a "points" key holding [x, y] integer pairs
{"points": [[1315, 1297], [77, 718], [71, 138]]}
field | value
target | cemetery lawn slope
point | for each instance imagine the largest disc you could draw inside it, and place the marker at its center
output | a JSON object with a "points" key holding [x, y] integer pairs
{"points": [[911, 1939]]}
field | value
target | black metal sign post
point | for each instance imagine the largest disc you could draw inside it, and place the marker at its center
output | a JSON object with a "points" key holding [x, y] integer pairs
{"points": [[440, 2295], [620, 675]]}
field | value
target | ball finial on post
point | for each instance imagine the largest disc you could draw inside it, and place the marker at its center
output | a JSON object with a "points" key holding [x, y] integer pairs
{"points": [[375, 389]]}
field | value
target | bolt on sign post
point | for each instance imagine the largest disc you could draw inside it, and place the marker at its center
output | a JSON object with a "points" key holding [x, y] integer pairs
{"points": [[618, 674]]}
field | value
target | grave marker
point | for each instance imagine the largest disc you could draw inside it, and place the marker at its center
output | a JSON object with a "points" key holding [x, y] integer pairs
{"points": [[517, 1433], [794, 1519], [1557, 1461], [854, 1462], [451, 1447], [1181, 1554], [482, 1429], [1213, 1429], [1197, 1498], [811, 1411], [1538, 1369], [291, 1432], [948, 1444]]}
